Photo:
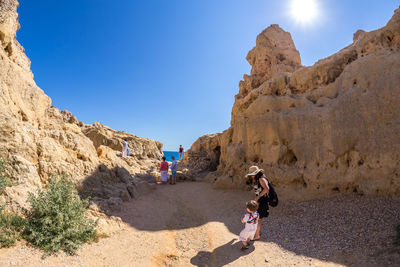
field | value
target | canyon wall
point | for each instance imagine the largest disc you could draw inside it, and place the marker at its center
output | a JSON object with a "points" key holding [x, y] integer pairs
{"points": [[38, 141], [330, 128]]}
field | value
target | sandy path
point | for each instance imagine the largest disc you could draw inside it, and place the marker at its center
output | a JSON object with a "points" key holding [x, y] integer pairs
{"points": [[192, 224]]}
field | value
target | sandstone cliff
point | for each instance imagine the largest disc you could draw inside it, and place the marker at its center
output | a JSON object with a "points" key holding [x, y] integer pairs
{"points": [[38, 140], [333, 127]]}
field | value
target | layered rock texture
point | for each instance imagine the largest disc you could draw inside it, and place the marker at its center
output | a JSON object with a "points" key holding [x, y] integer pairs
{"points": [[316, 131], [39, 141]]}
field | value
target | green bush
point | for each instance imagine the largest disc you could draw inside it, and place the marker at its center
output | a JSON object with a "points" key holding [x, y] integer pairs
{"points": [[57, 218], [397, 241], [11, 227], [4, 181]]}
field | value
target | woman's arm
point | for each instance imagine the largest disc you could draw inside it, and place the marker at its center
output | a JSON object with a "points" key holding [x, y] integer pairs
{"points": [[265, 187]]}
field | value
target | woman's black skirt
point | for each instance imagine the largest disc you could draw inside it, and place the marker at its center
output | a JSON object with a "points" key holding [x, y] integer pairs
{"points": [[263, 208]]}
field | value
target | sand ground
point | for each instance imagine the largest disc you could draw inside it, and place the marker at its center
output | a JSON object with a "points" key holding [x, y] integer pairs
{"points": [[192, 224]]}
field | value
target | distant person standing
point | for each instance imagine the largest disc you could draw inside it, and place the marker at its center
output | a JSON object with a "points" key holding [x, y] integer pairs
{"points": [[164, 171], [174, 168], [180, 152], [125, 149]]}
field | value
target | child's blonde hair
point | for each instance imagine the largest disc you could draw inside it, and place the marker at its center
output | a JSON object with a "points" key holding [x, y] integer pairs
{"points": [[252, 205]]}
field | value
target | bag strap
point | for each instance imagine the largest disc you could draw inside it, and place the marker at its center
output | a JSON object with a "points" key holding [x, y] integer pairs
{"points": [[251, 219]]}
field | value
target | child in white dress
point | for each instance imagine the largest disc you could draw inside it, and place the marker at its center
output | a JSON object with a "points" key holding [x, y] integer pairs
{"points": [[250, 220]]}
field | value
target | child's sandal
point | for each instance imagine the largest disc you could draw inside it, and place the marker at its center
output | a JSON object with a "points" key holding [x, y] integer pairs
{"points": [[244, 247]]}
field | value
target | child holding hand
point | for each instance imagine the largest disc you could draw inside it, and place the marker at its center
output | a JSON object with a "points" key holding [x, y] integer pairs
{"points": [[250, 220]]}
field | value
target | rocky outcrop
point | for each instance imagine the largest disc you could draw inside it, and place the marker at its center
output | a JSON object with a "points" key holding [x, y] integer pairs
{"points": [[141, 148], [274, 53], [39, 141], [333, 127], [204, 155]]}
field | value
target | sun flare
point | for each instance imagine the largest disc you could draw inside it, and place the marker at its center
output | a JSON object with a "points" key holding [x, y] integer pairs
{"points": [[304, 11]]}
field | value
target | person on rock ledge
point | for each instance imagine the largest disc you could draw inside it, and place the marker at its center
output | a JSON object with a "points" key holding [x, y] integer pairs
{"points": [[180, 152], [125, 149], [261, 189]]}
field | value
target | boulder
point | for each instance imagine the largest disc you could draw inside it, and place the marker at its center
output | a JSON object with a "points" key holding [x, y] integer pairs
{"points": [[146, 177], [142, 187], [125, 196], [114, 203]]}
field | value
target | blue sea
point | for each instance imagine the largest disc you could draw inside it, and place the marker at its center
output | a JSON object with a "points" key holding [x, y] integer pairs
{"points": [[169, 154]]}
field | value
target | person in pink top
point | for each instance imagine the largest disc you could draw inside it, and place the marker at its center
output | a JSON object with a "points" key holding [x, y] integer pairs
{"points": [[164, 171]]}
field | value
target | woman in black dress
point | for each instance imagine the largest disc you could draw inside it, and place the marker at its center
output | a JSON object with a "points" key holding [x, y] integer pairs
{"points": [[261, 189]]}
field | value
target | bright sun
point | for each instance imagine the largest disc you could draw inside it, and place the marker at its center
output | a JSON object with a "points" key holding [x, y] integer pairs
{"points": [[304, 11]]}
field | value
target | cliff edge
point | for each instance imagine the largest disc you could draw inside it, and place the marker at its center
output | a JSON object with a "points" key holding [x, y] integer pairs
{"points": [[39, 141], [330, 128]]}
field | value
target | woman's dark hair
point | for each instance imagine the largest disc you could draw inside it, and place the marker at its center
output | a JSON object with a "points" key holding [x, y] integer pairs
{"points": [[258, 175], [164, 158]]}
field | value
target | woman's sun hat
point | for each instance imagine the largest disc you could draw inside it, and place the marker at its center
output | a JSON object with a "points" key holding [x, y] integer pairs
{"points": [[253, 170]]}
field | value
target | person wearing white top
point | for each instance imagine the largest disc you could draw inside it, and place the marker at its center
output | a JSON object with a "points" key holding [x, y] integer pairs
{"points": [[250, 220], [125, 149]]}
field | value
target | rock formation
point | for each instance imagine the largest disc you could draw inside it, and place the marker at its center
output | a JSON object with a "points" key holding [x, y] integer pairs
{"points": [[39, 141], [333, 127]]}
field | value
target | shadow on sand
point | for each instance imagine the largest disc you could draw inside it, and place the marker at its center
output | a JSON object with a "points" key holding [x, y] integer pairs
{"points": [[350, 230], [224, 254]]}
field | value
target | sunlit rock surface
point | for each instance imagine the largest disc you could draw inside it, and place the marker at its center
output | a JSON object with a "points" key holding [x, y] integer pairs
{"points": [[39, 141], [330, 128]]}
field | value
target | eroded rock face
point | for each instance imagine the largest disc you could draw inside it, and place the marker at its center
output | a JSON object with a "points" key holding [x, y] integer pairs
{"points": [[141, 148], [274, 53], [38, 140], [204, 155], [333, 127]]}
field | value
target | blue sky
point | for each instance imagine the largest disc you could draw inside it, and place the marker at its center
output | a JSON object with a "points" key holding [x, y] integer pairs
{"points": [[169, 70]]}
